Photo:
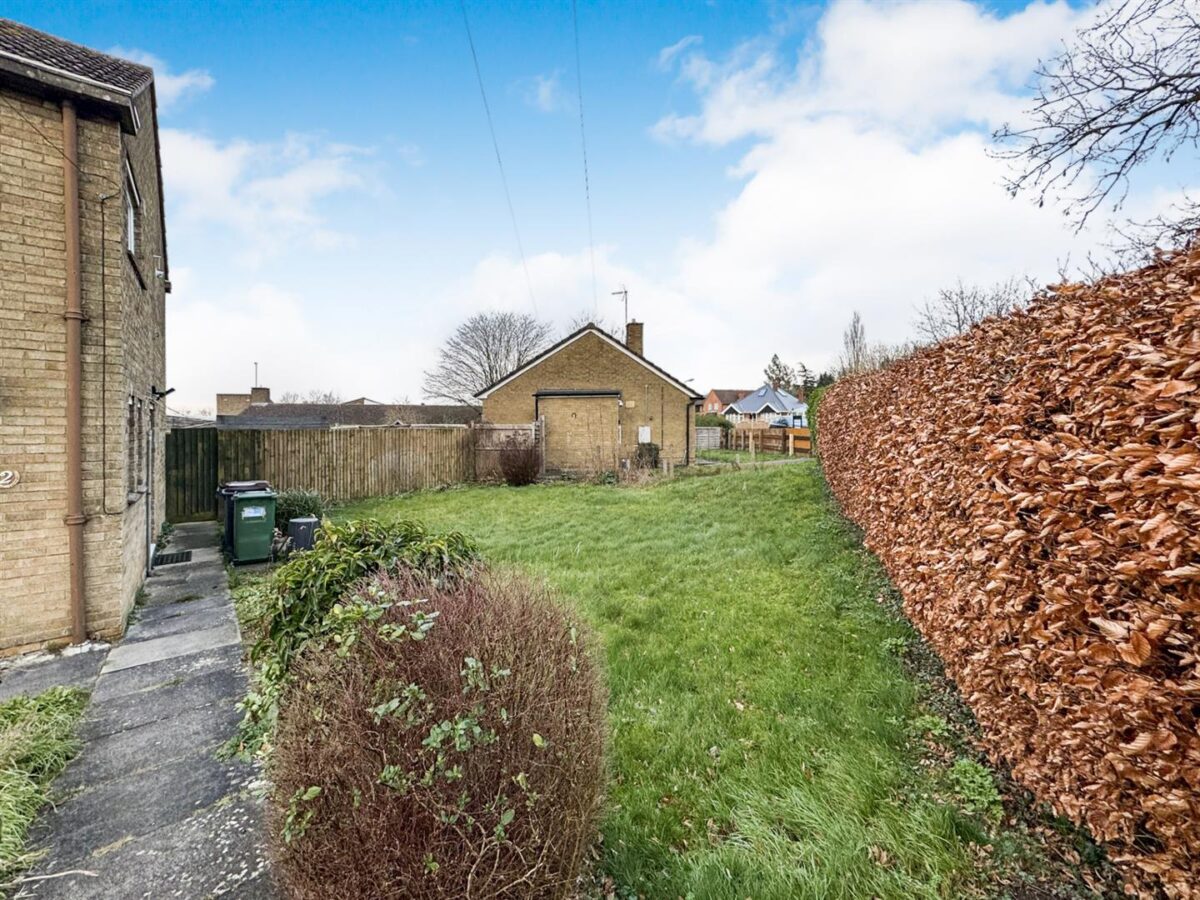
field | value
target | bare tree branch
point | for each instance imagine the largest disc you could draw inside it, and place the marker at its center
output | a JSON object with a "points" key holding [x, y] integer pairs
{"points": [[1124, 90], [483, 350], [962, 307]]}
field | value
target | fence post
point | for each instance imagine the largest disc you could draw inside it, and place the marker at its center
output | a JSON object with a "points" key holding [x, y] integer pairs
{"points": [[791, 444]]}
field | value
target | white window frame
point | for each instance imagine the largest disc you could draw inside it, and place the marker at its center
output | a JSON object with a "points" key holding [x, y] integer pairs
{"points": [[133, 208]]}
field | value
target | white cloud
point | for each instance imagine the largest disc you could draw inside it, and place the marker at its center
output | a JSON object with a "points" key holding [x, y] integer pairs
{"points": [[265, 324], [267, 195], [169, 87], [545, 93], [667, 55], [866, 182]]}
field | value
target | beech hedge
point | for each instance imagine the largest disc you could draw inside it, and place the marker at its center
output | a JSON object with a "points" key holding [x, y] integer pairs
{"points": [[1033, 488]]}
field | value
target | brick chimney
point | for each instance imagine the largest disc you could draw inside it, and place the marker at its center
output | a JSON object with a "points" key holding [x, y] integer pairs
{"points": [[633, 337], [260, 396]]}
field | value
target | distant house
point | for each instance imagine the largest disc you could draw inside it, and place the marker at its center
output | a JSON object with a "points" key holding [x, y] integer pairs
{"points": [[82, 355], [256, 410], [759, 407], [598, 398], [719, 398]]}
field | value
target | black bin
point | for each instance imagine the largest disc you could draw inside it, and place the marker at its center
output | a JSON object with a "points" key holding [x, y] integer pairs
{"points": [[303, 531]]}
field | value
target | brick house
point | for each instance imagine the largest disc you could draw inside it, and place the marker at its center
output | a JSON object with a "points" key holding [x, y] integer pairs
{"points": [[598, 399], [82, 357], [717, 399]]}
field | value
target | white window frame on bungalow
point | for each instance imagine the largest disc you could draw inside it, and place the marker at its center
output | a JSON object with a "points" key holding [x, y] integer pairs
{"points": [[133, 209]]}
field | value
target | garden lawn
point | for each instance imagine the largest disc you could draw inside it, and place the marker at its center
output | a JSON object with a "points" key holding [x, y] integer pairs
{"points": [[763, 730], [740, 456], [37, 739]]}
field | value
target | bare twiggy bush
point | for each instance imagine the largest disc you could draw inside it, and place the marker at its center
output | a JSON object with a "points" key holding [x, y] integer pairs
{"points": [[520, 461], [444, 743]]}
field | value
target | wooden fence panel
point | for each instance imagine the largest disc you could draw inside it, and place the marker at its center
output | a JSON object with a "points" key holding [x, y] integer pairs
{"points": [[772, 440], [341, 463], [190, 460]]}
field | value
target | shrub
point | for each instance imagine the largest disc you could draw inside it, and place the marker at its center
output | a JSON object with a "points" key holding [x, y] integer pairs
{"points": [[452, 745], [520, 462], [647, 456], [296, 503], [295, 606], [713, 420]]}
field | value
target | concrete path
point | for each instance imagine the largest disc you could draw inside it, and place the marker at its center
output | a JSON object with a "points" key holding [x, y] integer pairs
{"points": [[147, 809]]}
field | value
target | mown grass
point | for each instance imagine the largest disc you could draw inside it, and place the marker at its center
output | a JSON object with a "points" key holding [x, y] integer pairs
{"points": [[739, 456], [766, 739], [37, 739]]}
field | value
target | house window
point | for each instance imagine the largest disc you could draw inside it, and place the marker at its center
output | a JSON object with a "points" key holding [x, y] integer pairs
{"points": [[130, 223], [141, 448], [133, 212], [130, 444]]}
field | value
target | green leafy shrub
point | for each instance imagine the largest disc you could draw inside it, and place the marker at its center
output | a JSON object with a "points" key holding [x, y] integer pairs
{"points": [[713, 420], [294, 608], [295, 504], [814, 408], [441, 742], [975, 788]]}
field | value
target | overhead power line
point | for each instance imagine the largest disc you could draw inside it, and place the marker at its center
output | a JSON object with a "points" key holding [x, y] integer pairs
{"points": [[587, 189], [496, 146]]}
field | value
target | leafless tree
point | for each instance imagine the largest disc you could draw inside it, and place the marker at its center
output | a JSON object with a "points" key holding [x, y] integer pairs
{"points": [[584, 317], [313, 396], [483, 350], [962, 307], [1125, 89], [854, 347], [858, 356]]}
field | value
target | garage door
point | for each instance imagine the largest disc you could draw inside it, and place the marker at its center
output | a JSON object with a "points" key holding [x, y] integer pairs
{"points": [[581, 433]]}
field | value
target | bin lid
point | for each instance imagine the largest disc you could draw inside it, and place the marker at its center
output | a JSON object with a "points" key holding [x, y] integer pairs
{"points": [[253, 495], [237, 487]]}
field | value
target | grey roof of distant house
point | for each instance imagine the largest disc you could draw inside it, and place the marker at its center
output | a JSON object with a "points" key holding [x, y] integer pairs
{"points": [[330, 415], [47, 51], [755, 402]]}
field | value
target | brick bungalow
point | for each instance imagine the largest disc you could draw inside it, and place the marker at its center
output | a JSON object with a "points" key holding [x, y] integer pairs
{"points": [[598, 399], [82, 357]]}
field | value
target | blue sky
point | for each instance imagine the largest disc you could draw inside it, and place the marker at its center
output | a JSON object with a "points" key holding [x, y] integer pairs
{"points": [[331, 184]]}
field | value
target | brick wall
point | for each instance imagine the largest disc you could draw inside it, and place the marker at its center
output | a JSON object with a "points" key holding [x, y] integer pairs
{"points": [[122, 354], [592, 363]]}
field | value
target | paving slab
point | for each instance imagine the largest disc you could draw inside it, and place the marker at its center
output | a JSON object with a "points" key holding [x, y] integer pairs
{"points": [[30, 677], [138, 653], [199, 615], [162, 700], [158, 674]]}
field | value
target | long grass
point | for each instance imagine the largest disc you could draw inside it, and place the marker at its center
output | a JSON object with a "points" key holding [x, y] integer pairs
{"points": [[37, 739], [740, 456], [765, 736]]}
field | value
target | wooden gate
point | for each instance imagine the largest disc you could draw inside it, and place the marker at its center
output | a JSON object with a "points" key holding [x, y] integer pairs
{"points": [[191, 464]]}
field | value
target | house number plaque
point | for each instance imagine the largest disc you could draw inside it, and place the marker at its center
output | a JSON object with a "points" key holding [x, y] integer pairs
{"points": [[9, 478]]}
